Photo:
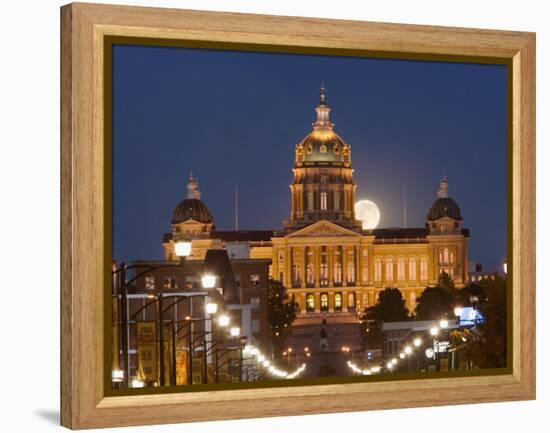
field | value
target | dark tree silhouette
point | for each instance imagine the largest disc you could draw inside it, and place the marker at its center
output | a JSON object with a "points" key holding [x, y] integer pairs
{"points": [[437, 302], [389, 308], [485, 345], [281, 313]]}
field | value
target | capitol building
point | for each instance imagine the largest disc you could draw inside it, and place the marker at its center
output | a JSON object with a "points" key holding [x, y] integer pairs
{"points": [[322, 254]]}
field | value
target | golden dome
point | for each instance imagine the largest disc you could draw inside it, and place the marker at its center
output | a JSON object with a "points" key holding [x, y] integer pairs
{"points": [[323, 145]]}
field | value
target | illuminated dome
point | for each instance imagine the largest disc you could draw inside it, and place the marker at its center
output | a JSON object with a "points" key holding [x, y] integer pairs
{"points": [[192, 208], [323, 146]]}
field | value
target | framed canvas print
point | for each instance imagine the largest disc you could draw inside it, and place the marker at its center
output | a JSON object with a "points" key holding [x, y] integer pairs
{"points": [[226, 255]]}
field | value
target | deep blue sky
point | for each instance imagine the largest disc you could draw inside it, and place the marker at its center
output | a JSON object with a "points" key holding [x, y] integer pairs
{"points": [[235, 117]]}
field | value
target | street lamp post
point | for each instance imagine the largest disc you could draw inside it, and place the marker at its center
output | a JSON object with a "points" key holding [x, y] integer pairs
{"points": [[183, 249]]}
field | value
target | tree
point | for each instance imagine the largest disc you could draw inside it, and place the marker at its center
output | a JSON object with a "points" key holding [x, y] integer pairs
{"points": [[437, 302], [486, 343], [434, 303], [281, 313], [389, 308]]}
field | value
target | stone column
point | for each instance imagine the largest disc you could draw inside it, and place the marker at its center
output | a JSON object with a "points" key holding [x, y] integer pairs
{"points": [[317, 302], [330, 264]]}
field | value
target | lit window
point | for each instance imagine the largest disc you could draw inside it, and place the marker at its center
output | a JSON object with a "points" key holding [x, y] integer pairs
{"points": [[338, 301], [323, 148], [254, 279], [310, 278], [149, 283], [310, 200], [336, 200], [389, 269], [296, 274], [310, 302], [324, 203], [412, 269], [170, 283], [337, 270], [424, 268], [378, 269], [324, 274], [400, 269], [350, 271], [324, 301]]}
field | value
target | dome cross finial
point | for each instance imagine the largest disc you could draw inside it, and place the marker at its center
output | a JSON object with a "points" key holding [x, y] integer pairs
{"points": [[443, 191], [193, 187], [323, 111], [323, 94]]}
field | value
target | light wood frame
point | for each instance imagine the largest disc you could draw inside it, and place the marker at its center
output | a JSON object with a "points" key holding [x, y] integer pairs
{"points": [[83, 400]]}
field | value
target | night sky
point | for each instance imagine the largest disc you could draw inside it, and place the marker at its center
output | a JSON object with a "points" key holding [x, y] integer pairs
{"points": [[235, 117]]}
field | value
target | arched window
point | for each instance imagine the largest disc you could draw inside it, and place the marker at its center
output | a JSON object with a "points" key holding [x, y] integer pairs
{"points": [[350, 270], [423, 268], [310, 200], [412, 269], [296, 274], [324, 274], [324, 200], [446, 256], [324, 301], [310, 277], [338, 272], [310, 302], [389, 269], [336, 198], [400, 269], [378, 269], [338, 302]]}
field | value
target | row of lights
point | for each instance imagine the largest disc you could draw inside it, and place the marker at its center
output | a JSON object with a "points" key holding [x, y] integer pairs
{"points": [[407, 351], [274, 371]]}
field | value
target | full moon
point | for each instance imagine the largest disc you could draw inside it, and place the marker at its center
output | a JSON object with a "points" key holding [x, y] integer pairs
{"points": [[368, 212]]}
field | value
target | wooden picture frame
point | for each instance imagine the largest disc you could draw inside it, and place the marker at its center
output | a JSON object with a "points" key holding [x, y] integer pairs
{"points": [[84, 27]]}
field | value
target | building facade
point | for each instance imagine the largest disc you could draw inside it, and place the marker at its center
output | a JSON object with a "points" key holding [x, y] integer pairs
{"points": [[323, 256]]}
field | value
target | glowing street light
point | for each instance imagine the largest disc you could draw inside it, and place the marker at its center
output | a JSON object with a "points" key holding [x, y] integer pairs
{"points": [[208, 281], [458, 311], [389, 365], [408, 350], [430, 353], [434, 331], [417, 342], [394, 361], [223, 321], [402, 355], [444, 323], [183, 249], [211, 308], [235, 331]]}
